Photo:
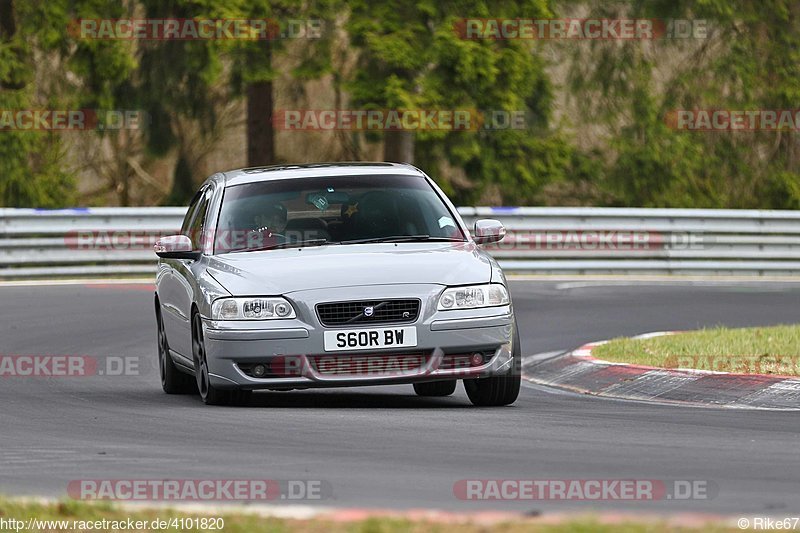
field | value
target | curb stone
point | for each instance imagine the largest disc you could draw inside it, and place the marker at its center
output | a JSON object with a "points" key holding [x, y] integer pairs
{"points": [[579, 371]]}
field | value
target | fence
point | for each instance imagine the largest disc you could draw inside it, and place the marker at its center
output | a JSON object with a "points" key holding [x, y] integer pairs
{"points": [[118, 241]]}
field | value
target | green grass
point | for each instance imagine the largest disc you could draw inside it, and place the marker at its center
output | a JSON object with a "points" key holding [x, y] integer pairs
{"points": [[769, 350], [251, 523]]}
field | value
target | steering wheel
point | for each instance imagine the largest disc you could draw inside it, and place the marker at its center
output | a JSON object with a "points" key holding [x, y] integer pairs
{"points": [[264, 231]]}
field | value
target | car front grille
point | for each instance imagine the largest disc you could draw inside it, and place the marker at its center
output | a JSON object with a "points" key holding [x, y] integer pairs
{"points": [[355, 312]]}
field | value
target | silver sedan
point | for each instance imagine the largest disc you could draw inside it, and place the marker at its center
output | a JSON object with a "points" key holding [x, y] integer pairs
{"points": [[332, 275]]}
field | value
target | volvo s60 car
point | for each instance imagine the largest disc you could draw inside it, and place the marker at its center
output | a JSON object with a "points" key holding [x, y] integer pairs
{"points": [[332, 275]]}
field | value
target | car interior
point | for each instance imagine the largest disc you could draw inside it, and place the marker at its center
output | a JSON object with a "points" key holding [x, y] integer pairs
{"points": [[337, 216]]}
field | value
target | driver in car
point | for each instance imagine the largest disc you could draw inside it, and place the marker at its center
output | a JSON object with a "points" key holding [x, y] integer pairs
{"points": [[269, 226], [272, 221]]}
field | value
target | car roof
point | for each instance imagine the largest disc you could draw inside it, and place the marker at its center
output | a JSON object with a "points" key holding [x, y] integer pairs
{"points": [[316, 170]]}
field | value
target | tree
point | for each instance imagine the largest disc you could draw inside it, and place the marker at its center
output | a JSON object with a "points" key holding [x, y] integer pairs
{"points": [[29, 170], [748, 61], [412, 56], [181, 85], [253, 69]]}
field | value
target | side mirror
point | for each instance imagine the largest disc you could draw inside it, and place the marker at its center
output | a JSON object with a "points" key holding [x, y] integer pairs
{"points": [[175, 247], [488, 230]]}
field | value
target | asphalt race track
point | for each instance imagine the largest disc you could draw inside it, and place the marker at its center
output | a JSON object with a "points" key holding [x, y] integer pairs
{"points": [[383, 447]]}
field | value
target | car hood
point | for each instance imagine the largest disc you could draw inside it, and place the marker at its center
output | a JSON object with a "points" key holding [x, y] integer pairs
{"points": [[274, 272]]}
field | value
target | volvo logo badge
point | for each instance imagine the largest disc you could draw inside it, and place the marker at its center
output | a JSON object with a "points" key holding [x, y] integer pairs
{"points": [[369, 311]]}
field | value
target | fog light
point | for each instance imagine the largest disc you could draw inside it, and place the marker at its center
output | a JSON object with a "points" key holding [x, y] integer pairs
{"points": [[477, 359], [259, 371]]}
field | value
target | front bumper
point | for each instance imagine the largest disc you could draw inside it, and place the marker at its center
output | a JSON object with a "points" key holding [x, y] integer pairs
{"points": [[230, 346]]}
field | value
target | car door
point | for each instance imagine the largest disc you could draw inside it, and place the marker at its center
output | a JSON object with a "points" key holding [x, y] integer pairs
{"points": [[175, 291]]}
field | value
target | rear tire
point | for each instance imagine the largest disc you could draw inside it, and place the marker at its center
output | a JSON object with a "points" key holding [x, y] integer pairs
{"points": [[435, 388], [498, 390], [173, 381]]}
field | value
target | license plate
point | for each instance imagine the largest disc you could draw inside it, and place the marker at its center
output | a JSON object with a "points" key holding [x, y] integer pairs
{"points": [[368, 339]]}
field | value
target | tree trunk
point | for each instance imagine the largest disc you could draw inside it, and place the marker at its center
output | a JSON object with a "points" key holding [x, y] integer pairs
{"points": [[182, 187], [260, 132], [398, 146], [8, 29], [7, 25], [124, 189]]}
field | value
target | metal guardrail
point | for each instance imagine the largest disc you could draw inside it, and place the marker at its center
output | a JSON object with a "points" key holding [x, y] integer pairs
{"points": [[97, 241], [82, 242]]}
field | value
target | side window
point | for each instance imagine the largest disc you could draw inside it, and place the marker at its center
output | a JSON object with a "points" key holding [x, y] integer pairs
{"points": [[197, 225], [190, 213]]}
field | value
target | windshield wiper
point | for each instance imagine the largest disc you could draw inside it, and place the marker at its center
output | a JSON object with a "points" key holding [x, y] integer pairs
{"points": [[402, 238], [295, 244]]}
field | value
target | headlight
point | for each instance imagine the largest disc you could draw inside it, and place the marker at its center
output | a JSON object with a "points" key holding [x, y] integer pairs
{"points": [[251, 309], [489, 295]]}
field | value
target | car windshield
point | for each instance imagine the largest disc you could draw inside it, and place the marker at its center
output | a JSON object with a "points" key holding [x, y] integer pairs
{"points": [[326, 210]]}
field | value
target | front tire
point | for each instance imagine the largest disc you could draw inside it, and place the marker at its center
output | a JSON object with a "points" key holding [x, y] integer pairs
{"points": [[435, 388], [208, 393], [498, 390], [173, 381]]}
